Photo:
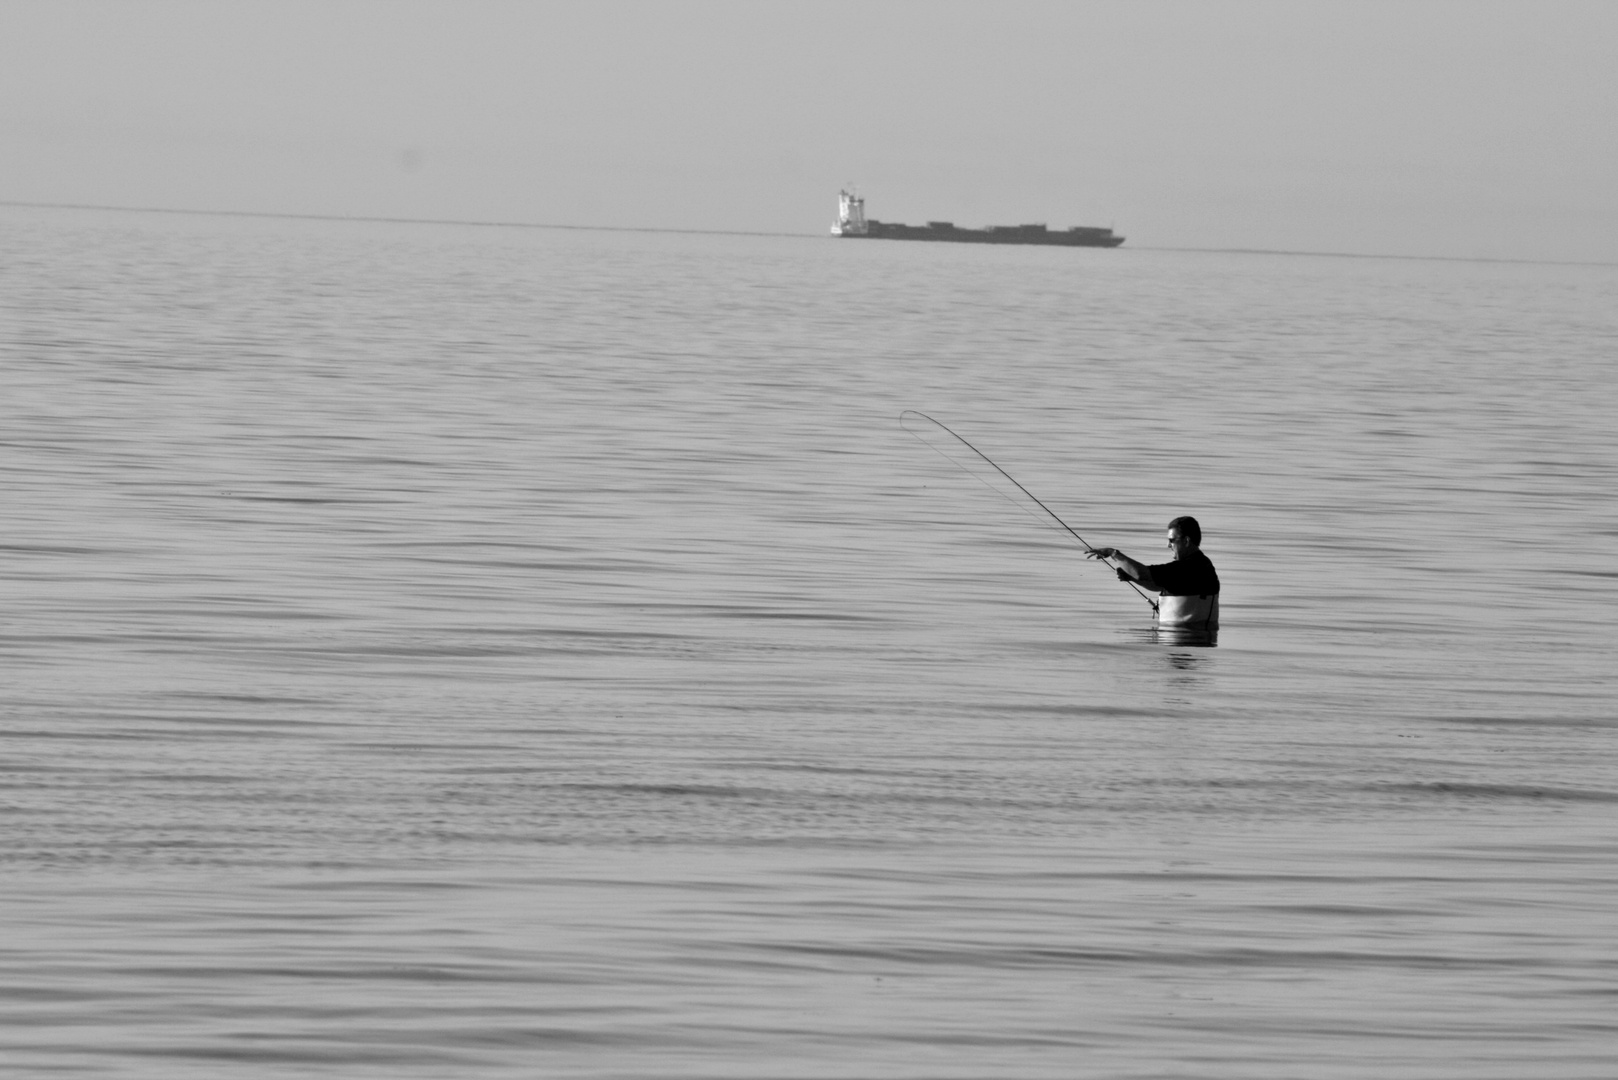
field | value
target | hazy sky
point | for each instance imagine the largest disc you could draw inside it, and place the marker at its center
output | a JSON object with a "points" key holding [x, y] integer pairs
{"points": [[1444, 128]]}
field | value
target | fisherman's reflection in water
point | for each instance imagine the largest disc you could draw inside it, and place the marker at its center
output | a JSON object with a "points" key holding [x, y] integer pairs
{"points": [[1185, 639], [1174, 638]]}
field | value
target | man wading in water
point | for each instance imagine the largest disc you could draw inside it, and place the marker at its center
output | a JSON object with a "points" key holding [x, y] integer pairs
{"points": [[1188, 586]]}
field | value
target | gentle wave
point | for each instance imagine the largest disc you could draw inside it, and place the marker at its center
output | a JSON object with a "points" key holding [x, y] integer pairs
{"points": [[433, 651]]}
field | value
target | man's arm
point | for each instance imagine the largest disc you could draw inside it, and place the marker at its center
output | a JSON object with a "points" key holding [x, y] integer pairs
{"points": [[1128, 569]]}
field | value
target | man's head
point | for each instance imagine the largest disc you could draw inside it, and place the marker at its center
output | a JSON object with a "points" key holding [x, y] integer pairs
{"points": [[1185, 535]]}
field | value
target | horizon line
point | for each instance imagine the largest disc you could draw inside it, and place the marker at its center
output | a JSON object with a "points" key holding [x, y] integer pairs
{"points": [[744, 232]]}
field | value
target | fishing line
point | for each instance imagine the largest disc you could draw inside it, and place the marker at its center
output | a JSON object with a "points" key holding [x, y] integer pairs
{"points": [[932, 433]]}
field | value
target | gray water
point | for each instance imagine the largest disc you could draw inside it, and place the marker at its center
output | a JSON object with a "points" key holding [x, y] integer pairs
{"points": [[437, 651]]}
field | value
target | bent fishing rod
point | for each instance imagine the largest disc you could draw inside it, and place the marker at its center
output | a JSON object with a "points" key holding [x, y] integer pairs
{"points": [[1031, 496]]}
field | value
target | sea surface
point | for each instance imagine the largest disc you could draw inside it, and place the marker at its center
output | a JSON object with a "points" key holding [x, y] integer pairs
{"points": [[463, 652]]}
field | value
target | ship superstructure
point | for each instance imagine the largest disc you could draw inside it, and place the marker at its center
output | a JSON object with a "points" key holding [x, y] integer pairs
{"points": [[850, 214]]}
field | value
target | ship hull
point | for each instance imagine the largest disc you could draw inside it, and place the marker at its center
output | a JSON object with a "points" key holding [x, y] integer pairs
{"points": [[944, 232]]}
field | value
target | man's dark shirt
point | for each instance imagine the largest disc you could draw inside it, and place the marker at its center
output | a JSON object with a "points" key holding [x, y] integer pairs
{"points": [[1193, 575]]}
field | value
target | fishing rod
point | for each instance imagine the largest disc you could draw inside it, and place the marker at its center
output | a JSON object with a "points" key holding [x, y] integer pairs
{"points": [[904, 416]]}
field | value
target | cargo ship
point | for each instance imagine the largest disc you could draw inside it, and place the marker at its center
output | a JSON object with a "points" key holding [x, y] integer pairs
{"points": [[852, 222]]}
